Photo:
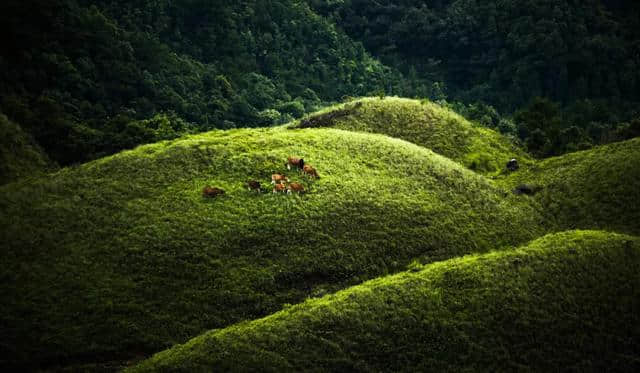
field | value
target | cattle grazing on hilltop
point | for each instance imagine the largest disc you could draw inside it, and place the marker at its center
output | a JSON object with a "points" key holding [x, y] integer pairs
{"points": [[278, 178], [211, 192], [310, 171], [295, 187], [295, 162], [279, 188]]}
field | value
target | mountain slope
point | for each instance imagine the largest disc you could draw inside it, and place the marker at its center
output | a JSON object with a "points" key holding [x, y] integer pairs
{"points": [[593, 189], [423, 123], [564, 302], [123, 255]]}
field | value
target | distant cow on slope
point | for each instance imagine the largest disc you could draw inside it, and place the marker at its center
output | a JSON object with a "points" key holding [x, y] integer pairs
{"points": [[211, 192], [254, 185], [295, 187], [279, 188], [310, 171], [278, 178]]}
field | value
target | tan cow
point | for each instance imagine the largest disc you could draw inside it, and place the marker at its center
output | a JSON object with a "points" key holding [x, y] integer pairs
{"points": [[310, 171], [295, 162], [278, 178], [279, 188], [295, 187]]}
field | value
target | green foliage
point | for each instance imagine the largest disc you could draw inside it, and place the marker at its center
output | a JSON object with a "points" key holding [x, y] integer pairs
{"points": [[293, 108], [126, 250], [74, 67], [566, 301], [481, 163], [596, 189], [502, 52], [432, 126], [19, 155]]}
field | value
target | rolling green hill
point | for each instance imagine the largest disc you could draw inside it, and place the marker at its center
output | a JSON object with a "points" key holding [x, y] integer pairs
{"points": [[423, 123], [123, 256], [565, 302], [20, 156], [596, 189]]}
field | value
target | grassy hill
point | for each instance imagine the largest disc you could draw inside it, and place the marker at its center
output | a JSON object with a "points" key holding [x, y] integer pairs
{"points": [[423, 123], [123, 256], [565, 302], [20, 156], [597, 188]]}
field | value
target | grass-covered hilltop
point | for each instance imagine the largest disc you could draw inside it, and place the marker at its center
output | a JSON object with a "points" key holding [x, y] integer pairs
{"points": [[110, 261], [320, 185]]}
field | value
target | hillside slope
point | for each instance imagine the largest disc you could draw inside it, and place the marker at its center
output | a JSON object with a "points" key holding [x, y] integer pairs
{"points": [[20, 156], [123, 256], [423, 123], [596, 189], [565, 302]]}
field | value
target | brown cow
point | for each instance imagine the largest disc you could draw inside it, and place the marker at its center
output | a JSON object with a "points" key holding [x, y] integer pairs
{"points": [[254, 185], [278, 178], [295, 187], [209, 191], [308, 170], [279, 188], [295, 162]]}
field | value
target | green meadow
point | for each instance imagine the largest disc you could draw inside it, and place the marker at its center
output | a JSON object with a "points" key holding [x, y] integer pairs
{"points": [[410, 251]]}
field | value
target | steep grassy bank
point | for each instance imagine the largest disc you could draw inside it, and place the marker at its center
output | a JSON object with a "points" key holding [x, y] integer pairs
{"points": [[595, 189], [123, 256], [427, 124], [565, 302]]}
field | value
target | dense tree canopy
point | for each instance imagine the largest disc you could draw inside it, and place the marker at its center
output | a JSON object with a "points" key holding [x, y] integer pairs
{"points": [[504, 52], [84, 77], [78, 74]]}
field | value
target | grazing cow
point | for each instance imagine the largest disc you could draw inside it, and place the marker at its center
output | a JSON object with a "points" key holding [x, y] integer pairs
{"points": [[295, 187], [513, 165], [279, 188], [278, 178], [295, 162], [212, 192], [308, 170], [254, 185]]}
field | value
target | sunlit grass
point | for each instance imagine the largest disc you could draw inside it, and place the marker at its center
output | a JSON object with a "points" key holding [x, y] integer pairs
{"points": [[546, 306]]}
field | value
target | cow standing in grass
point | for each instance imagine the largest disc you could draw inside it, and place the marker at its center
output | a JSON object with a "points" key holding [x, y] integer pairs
{"points": [[279, 188], [310, 171], [295, 187], [211, 192], [295, 162], [279, 178]]}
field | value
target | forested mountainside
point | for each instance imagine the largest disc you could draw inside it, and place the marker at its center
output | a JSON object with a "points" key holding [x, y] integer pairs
{"points": [[80, 76], [582, 56], [503, 52], [88, 78]]}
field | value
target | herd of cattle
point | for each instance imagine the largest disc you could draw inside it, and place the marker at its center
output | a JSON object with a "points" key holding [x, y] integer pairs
{"points": [[280, 182]]}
